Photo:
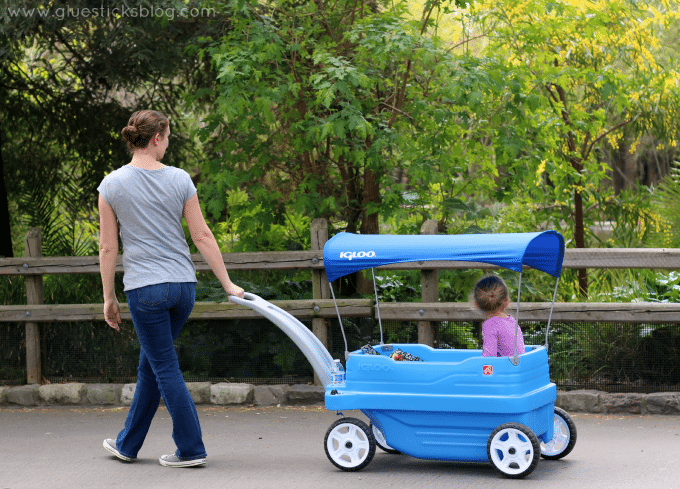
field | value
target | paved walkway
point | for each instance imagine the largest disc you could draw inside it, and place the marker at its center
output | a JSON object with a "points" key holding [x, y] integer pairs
{"points": [[269, 447]]}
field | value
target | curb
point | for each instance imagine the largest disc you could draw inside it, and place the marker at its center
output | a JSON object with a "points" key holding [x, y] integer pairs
{"points": [[221, 394], [202, 393], [599, 402]]}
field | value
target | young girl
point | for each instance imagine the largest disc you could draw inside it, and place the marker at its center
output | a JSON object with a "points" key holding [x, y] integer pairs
{"points": [[498, 331]]}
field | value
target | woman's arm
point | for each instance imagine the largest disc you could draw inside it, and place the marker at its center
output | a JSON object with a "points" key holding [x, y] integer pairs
{"points": [[206, 243], [108, 247], [108, 254]]}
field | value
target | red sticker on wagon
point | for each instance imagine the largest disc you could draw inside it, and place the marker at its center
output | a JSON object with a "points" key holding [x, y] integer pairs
{"points": [[487, 369]]}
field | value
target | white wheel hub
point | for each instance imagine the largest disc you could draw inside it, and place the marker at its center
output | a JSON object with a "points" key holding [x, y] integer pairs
{"points": [[379, 438], [560, 439], [348, 445], [511, 451]]}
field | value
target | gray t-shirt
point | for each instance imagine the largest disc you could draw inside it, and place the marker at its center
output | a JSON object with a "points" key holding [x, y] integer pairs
{"points": [[149, 206]]}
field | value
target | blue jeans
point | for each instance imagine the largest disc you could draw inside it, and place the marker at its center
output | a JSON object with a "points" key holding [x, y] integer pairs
{"points": [[159, 312]]}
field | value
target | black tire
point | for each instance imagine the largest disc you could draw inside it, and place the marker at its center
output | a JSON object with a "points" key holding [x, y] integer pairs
{"points": [[565, 441], [513, 449], [379, 440], [349, 444]]}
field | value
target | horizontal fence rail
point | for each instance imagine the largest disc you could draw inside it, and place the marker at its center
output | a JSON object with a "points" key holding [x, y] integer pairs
{"points": [[606, 258], [60, 265], [636, 312]]}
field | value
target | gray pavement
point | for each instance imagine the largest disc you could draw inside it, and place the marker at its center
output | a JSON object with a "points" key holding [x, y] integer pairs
{"points": [[282, 447]]}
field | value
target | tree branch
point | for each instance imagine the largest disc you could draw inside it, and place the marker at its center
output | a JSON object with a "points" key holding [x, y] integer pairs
{"points": [[620, 124], [396, 109]]}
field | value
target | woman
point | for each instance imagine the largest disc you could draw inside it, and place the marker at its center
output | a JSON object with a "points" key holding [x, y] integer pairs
{"points": [[148, 199]]}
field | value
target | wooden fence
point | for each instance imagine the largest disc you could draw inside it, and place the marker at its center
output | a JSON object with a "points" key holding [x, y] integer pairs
{"points": [[321, 307]]}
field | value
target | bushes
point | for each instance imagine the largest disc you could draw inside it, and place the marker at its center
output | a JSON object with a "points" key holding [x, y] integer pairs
{"points": [[595, 355]]}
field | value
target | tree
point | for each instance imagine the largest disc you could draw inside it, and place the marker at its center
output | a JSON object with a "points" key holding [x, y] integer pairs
{"points": [[5, 225], [317, 110], [592, 74], [69, 84]]}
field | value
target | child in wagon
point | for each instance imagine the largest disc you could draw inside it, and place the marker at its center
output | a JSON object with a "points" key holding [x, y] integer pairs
{"points": [[491, 296]]}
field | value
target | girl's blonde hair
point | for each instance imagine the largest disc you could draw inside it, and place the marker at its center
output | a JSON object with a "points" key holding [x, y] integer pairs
{"points": [[490, 293]]}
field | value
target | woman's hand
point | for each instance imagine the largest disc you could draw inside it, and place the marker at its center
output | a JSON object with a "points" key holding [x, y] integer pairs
{"points": [[232, 289], [112, 314]]}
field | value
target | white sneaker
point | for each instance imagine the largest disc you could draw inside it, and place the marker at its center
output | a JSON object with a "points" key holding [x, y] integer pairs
{"points": [[174, 461], [110, 445]]}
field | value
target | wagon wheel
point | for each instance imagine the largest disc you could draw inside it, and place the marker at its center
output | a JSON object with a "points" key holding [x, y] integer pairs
{"points": [[349, 444], [513, 449], [380, 440], [564, 437]]}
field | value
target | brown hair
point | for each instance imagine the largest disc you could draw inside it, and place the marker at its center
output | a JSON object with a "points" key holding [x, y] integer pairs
{"points": [[490, 293], [142, 126]]}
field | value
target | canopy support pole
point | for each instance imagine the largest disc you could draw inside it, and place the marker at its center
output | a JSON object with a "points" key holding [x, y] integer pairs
{"points": [[377, 305], [330, 285], [551, 311], [515, 358]]}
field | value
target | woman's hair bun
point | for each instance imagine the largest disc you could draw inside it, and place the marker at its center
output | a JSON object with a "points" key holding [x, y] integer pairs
{"points": [[142, 126], [130, 133]]}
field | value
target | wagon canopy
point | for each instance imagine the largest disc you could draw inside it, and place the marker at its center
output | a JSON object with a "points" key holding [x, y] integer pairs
{"points": [[346, 253]]}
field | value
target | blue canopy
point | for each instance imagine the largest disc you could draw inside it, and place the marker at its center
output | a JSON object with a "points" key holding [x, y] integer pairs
{"points": [[346, 253]]}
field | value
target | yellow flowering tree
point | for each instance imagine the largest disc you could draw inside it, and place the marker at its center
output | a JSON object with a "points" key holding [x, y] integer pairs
{"points": [[593, 75]]}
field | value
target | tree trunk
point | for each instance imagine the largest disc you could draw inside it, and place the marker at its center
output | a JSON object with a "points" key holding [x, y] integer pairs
{"points": [[625, 168], [5, 228], [579, 239], [370, 223]]}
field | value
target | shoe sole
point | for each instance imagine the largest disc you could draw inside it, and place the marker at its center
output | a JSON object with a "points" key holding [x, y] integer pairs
{"points": [[183, 463], [117, 453]]}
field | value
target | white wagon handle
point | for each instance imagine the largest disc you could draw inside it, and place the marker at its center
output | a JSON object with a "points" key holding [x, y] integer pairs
{"points": [[315, 352]]}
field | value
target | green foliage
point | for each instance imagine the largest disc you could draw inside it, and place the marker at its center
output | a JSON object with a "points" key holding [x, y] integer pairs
{"points": [[585, 77], [664, 287], [451, 335], [666, 200], [565, 352], [318, 117], [608, 353], [67, 86], [65, 228], [397, 287], [611, 351]]}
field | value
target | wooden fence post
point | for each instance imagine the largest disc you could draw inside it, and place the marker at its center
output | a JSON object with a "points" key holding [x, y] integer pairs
{"points": [[429, 290], [34, 295], [320, 286]]}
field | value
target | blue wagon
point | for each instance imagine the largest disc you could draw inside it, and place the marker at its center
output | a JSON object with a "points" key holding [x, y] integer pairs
{"points": [[453, 404]]}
